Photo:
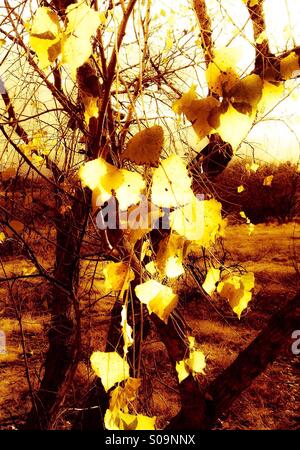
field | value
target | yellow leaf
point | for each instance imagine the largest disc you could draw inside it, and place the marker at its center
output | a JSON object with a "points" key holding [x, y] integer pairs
{"points": [[107, 180], [145, 147], [196, 362], [2, 236], [120, 397], [193, 365], [139, 220], [252, 167], [268, 180], [102, 17], [271, 95], [243, 215], [262, 37], [247, 91], [236, 289], [169, 42], [197, 111], [169, 257], [151, 268], [174, 267], [83, 22], [126, 421], [212, 278], [221, 72], [117, 276], [126, 330], [234, 120], [240, 189], [2, 42], [182, 370], [289, 66], [200, 221], [110, 367], [159, 299], [171, 184], [90, 107], [45, 36]]}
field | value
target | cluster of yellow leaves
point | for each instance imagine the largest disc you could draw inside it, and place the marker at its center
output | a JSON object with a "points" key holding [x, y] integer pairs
{"points": [[112, 369], [194, 223], [106, 180], [237, 290], [37, 147], [160, 299], [240, 98], [194, 364], [50, 40], [145, 147]]}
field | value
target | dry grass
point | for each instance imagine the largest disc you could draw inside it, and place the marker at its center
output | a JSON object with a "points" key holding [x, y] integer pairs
{"points": [[268, 404]]}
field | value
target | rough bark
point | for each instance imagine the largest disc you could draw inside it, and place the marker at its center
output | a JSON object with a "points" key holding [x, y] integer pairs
{"points": [[64, 335]]}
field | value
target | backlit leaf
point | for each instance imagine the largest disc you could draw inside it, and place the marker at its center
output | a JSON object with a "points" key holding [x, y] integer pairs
{"points": [[45, 36], [126, 330], [159, 299], [107, 180], [197, 111], [83, 22], [110, 367], [289, 66], [145, 147], [169, 257], [117, 276], [236, 289], [221, 73], [212, 278], [171, 184], [268, 180]]}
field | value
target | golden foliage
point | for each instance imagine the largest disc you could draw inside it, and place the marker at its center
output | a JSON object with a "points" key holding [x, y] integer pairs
{"points": [[145, 147], [117, 276], [236, 289], [110, 367], [159, 299], [171, 184]]}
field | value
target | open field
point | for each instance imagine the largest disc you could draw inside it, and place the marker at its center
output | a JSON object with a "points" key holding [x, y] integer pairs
{"points": [[270, 403]]}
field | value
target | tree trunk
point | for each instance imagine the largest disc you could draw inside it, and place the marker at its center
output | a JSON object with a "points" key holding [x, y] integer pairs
{"points": [[250, 363], [64, 335]]}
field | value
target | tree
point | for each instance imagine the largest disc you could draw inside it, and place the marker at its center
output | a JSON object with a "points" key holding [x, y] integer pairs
{"points": [[76, 52]]}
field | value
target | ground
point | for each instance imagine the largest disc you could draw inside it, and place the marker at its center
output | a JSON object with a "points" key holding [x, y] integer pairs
{"points": [[271, 402]]}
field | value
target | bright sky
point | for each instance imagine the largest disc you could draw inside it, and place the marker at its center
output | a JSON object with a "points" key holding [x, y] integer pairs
{"points": [[278, 136]]}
